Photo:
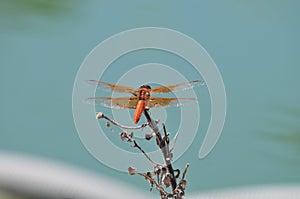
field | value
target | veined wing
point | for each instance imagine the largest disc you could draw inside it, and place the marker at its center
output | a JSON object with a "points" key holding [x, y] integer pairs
{"points": [[158, 102], [112, 87], [177, 87], [111, 102]]}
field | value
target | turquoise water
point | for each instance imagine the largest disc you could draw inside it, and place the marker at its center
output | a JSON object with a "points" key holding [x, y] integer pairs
{"points": [[254, 44]]}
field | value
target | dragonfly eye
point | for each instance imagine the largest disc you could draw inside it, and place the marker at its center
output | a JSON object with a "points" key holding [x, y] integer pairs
{"points": [[145, 86]]}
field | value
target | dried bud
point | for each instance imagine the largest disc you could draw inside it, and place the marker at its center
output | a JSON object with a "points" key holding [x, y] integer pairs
{"points": [[164, 170], [149, 174], [131, 171], [123, 135], [131, 135], [99, 115], [167, 181], [148, 136], [157, 170], [184, 183]]}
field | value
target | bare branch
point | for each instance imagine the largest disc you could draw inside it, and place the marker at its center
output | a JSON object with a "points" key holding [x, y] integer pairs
{"points": [[174, 142], [146, 155], [131, 171], [129, 137], [167, 177], [164, 147], [166, 137], [100, 115], [185, 170]]}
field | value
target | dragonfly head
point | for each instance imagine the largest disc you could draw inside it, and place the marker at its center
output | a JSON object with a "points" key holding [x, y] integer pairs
{"points": [[144, 92]]}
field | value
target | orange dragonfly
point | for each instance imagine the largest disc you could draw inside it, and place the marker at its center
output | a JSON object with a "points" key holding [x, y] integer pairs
{"points": [[141, 98]]}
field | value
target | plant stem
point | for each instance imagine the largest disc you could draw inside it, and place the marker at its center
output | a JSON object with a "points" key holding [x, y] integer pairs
{"points": [[163, 145], [100, 115]]}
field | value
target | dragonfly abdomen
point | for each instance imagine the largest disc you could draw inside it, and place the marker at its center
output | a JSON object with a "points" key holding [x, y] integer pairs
{"points": [[138, 111]]}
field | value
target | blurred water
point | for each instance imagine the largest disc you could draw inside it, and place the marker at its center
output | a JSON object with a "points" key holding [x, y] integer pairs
{"points": [[255, 45]]}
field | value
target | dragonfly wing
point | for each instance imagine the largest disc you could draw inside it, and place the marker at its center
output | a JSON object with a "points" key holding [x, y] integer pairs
{"points": [[177, 87], [118, 102], [112, 87], [158, 102]]}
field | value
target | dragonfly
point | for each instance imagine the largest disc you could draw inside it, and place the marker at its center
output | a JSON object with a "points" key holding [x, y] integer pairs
{"points": [[141, 98]]}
